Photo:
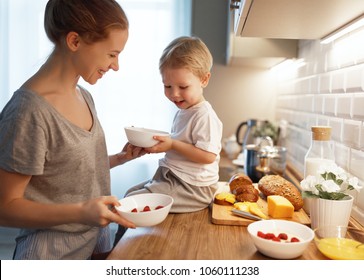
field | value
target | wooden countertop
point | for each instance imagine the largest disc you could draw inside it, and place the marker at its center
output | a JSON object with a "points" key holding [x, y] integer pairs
{"points": [[192, 236]]}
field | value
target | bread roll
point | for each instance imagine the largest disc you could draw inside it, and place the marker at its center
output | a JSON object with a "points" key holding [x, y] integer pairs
{"points": [[277, 185], [242, 186], [224, 198]]}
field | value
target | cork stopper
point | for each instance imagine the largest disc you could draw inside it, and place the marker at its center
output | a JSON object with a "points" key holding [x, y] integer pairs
{"points": [[321, 133]]}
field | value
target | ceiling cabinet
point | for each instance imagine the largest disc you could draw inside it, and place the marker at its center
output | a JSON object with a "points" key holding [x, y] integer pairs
{"points": [[262, 33], [212, 21], [293, 19]]}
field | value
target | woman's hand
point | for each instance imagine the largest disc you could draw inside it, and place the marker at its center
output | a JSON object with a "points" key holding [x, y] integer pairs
{"points": [[128, 153], [101, 212]]}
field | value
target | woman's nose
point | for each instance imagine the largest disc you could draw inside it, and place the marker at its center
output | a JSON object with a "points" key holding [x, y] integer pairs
{"points": [[114, 66]]}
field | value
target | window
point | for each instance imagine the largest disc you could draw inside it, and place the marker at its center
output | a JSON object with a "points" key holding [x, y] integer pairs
{"points": [[132, 96]]}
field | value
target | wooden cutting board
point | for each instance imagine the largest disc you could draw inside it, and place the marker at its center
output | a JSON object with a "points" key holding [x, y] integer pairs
{"points": [[222, 215]]}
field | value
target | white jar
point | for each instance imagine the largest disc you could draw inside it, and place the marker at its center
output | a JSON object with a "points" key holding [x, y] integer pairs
{"points": [[319, 153]]}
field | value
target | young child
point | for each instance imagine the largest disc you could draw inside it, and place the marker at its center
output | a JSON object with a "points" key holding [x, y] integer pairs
{"points": [[189, 170]]}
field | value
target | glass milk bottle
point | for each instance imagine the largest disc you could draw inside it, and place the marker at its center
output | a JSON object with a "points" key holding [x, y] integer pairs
{"points": [[319, 153]]}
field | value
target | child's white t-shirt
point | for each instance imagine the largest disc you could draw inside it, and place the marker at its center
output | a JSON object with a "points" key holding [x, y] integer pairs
{"points": [[198, 125]]}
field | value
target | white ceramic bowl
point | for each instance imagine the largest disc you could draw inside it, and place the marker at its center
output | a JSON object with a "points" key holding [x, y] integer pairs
{"points": [[281, 250], [143, 137], [139, 201]]}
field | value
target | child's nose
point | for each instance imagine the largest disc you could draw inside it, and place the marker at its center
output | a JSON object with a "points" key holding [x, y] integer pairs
{"points": [[175, 92]]}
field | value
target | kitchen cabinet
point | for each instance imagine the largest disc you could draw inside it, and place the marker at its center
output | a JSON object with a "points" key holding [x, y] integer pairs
{"points": [[212, 22], [262, 33], [293, 19], [260, 52], [283, 22]]}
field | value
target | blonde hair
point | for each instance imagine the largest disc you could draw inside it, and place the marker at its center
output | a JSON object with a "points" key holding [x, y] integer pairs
{"points": [[187, 52]]}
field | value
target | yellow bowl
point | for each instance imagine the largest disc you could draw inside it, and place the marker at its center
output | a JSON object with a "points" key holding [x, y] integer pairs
{"points": [[340, 242]]}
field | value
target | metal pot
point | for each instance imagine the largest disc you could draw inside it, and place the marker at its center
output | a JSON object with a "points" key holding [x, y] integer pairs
{"points": [[264, 159]]}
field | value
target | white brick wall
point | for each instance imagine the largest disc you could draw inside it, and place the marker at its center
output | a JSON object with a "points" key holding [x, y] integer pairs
{"points": [[328, 90]]}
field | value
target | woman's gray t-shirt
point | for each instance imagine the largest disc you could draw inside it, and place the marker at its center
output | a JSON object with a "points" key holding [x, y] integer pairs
{"points": [[68, 164]]}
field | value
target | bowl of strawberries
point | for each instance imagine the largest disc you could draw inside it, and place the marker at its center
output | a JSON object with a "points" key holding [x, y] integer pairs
{"points": [[145, 210], [280, 239]]}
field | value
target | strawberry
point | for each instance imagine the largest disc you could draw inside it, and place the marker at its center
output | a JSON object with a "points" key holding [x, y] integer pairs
{"points": [[283, 236], [146, 208], [134, 210], [277, 239], [295, 239], [159, 207], [261, 234], [269, 235]]}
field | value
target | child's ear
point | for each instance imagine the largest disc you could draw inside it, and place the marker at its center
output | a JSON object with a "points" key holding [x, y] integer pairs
{"points": [[205, 80], [73, 40]]}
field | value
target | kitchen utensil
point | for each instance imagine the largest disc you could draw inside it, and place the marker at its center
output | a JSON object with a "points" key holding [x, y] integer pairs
{"points": [[264, 159], [249, 127], [284, 248], [340, 242], [222, 215], [245, 214], [159, 205], [230, 146], [143, 137]]}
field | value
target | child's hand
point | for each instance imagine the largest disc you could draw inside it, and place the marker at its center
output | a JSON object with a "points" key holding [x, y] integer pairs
{"points": [[165, 144]]}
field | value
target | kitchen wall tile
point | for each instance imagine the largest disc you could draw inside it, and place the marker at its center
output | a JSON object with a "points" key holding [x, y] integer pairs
{"points": [[318, 106], [342, 155], [360, 203], [304, 86], [337, 82], [305, 103], [312, 121], [354, 81], [306, 138], [322, 120], [325, 82], [361, 138], [343, 105], [356, 163], [358, 106], [352, 46], [308, 120], [336, 131], [282, 114], [329, 91], [351, 133], [329, 104], [320, 55], [314, 84], [332, 60]]}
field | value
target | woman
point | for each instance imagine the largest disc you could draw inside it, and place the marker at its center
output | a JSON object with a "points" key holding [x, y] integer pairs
{"points": [[54, 167]]}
